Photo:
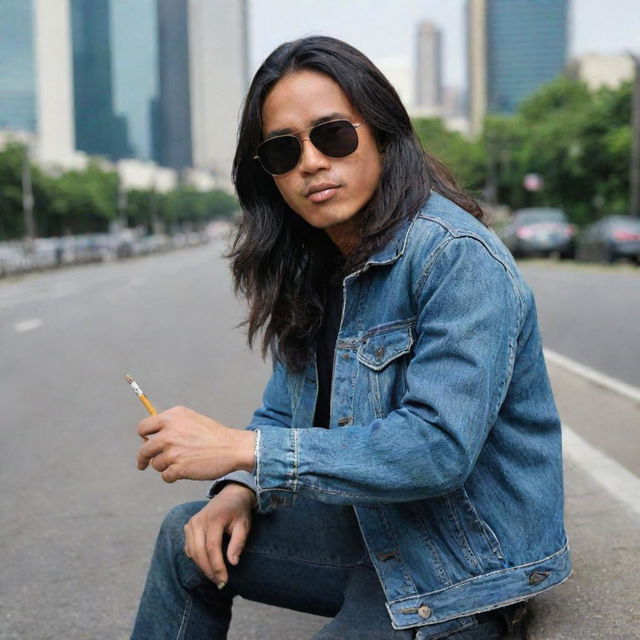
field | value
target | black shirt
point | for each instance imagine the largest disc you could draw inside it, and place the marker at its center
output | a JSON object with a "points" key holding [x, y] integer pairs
{"points": [[325, 346]]}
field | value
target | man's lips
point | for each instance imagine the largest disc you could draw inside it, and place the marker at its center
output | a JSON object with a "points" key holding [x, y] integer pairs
{"points": [[321, 192]]}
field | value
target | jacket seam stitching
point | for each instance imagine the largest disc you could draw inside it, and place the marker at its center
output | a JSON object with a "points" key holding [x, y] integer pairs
{"points": [[484, 576]]}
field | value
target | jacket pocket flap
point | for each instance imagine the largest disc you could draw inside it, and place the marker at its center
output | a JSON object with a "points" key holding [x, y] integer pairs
{"points": [[379, 349]]}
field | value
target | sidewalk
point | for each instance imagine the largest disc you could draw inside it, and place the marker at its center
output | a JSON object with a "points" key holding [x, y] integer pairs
{"points": [[601, 600]]}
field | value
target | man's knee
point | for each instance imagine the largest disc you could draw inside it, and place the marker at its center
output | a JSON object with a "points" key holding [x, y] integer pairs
{"points": [[172, 528]]}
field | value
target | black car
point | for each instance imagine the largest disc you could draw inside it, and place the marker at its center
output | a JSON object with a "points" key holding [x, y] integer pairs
{"points": [[610, 239], [540, 231]]}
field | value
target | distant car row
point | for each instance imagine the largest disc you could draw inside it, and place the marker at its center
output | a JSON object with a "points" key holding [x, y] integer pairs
{"points": [[48, 253], [545, 231]]}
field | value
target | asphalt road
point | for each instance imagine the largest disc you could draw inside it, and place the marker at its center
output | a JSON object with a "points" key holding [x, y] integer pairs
{"points": [[590, 313], [77, 520]]}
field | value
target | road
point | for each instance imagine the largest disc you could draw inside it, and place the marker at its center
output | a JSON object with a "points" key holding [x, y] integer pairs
{"points": [[590, 313], [77, 520]]}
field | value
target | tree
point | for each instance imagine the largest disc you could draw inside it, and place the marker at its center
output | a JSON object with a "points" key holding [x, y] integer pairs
{"points": [[83, 201], [577, 139], [11, 209], [466, 158]]}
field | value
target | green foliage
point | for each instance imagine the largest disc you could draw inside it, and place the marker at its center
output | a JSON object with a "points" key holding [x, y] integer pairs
{"points": [[579, 141], [12, 158], [83, 201], [87, 201], [465, 157]]}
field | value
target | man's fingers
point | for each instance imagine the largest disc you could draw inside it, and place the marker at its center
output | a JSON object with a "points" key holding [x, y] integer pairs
{"points": [[198, 551], [150, 425], [172, 473], [214, 552], [188, 535], [238, 540], [148, 450]]}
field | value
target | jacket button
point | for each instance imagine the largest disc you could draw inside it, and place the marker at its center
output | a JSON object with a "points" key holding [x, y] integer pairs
{"points": [[538, 576], [424, 611]]}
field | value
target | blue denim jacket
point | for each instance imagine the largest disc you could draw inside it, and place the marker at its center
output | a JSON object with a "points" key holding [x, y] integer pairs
{"points": [[444, 434]]}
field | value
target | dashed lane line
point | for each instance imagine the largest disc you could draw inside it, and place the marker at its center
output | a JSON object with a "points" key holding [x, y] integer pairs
{"points": [[27, 325], [601, 379]]}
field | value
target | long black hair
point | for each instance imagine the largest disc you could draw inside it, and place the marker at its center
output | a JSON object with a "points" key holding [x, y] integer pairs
{"points": [[278, 260]]}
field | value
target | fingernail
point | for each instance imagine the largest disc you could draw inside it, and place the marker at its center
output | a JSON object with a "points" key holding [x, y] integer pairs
{"points": [[221, 585]]}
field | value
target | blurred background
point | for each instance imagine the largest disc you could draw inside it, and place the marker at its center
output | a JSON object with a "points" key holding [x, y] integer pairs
{"points": [[117, 132]]}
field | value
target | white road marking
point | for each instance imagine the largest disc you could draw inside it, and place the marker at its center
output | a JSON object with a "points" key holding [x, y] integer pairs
{"points": [[601, 379], [27, 325], [621, 483]]}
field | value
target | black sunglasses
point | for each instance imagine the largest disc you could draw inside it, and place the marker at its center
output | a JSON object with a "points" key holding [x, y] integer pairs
{"points": [[336, 139]]}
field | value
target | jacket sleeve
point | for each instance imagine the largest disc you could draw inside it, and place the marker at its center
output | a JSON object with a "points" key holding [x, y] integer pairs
{"points": [[468, 317], [275, 411]]}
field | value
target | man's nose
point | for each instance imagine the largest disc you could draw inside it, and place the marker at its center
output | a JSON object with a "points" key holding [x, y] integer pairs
{"points": [[311, 158]]}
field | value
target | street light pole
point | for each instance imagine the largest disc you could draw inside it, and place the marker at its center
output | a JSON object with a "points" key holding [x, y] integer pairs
{"points": [[27, 198], [634, 176]]}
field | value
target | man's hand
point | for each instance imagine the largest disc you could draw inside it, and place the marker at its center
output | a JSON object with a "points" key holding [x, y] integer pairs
{"points": [[229, 512], [184, 444]]}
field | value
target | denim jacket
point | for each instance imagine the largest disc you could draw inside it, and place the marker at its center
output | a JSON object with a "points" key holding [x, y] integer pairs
{"points": [[444, 435]]}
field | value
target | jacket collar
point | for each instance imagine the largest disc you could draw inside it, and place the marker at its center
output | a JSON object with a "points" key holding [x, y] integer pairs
{"points": [[395, 247]]}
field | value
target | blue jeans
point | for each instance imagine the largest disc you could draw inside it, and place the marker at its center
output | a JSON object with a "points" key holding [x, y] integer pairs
{"points": [[309, 558]]}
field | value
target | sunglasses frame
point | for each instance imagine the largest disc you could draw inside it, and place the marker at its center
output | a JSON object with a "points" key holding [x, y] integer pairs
{"points": [[293, 134]]}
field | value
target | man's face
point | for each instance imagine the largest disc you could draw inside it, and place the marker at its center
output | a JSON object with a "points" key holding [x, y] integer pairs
{"points": [[299, 100]]}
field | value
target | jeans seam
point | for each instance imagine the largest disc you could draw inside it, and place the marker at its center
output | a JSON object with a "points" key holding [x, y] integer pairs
{"points": [[330, 565], [185, 618]]}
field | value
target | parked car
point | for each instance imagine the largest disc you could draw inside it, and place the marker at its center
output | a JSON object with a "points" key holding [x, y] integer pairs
{"points": [[540, 231], [611, 238], [12, 259]]}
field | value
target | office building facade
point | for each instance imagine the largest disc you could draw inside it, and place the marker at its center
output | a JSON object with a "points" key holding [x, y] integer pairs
{"points": [[429, 92], [172, 112], [514, 47], [219, 80], [17, 67], [99, 131], [36, 77], [135, 70]]}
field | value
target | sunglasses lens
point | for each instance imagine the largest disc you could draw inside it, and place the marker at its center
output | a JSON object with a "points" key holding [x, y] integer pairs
{"points": [[335, 139], [280, 154]]}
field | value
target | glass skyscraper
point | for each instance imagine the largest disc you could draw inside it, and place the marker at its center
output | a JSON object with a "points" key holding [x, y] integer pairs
{"points": [[98, 130], [526, 48], [135, 69], [172, 111], [17, 66], [513, 47]]}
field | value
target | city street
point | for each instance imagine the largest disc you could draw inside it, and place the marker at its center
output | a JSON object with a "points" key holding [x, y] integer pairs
{"points": [[78, 520]]}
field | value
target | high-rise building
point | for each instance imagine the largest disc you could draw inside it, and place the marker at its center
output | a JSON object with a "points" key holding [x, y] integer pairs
{"points": [[99, 130], [600, 70], [135, 70], [203, 77], [35, 74], [17, 67], [514, 46], [172, 112], [429, 67], [219, 80]]}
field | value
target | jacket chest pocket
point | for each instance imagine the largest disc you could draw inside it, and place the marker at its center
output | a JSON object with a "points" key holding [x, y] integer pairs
{"points": [[383, 353]]}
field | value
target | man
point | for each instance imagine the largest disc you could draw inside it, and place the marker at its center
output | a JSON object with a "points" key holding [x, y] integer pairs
{"points": [[405, 463]]}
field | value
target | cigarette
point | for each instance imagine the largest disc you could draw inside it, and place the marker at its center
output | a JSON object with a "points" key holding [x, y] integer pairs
{"points": [[141, 395]]}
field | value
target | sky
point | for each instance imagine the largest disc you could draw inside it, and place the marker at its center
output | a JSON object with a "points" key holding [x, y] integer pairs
{"points": [[385, 29]]}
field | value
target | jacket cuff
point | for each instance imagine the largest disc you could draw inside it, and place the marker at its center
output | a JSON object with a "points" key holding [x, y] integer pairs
{"points": [[276, 467], [241, 477]]}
